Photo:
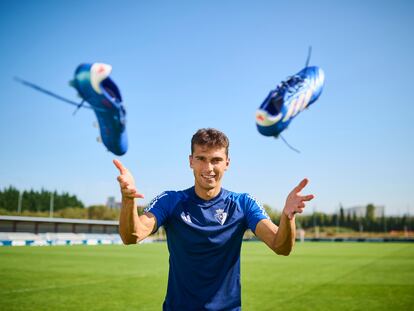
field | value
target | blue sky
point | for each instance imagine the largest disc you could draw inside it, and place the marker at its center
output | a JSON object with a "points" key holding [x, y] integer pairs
{"points": [[183, 65]]}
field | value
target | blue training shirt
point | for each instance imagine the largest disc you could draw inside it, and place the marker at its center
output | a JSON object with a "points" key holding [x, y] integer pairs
{"points": [[204, 240]]}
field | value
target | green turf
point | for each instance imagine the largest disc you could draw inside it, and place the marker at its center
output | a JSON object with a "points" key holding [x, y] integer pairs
{"points": [[316, 276]]}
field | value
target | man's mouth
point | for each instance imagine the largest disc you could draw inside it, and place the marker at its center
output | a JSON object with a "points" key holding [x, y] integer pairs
{"points": [[208, 177]]}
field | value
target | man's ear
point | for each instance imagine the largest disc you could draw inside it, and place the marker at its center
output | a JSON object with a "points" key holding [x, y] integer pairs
{"points": [[190, 159], [227, 163]]}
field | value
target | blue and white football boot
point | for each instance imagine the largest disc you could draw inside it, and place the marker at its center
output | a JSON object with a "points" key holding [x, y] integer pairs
{"points": [[288, 99]]}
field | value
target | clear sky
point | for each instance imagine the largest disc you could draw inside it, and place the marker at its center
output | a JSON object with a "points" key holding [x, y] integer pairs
{"points": [[183, 65]]}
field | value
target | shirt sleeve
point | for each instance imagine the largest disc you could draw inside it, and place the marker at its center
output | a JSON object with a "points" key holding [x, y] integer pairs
{"points": [[160, 208], [254, 212]]}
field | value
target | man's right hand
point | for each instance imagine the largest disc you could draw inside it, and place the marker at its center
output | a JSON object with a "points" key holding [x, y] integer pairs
{"points": [[127, 182]]}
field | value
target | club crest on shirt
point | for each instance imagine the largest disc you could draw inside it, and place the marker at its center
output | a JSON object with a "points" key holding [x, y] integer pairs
{"points": [[186, 217], [220, 216]]}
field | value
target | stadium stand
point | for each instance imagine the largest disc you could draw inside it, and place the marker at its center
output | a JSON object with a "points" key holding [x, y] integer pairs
{"points": [[39, 231]]}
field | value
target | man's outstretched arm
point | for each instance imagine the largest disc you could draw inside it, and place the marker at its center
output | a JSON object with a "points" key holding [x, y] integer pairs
{"points": [[281, 239], [132, 228]]}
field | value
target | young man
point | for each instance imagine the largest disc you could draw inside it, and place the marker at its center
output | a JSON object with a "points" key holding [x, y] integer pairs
{"points": [[205, 226]]}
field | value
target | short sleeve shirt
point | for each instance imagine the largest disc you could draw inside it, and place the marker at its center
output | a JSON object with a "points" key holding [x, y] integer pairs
{"points": [[204, 241]]}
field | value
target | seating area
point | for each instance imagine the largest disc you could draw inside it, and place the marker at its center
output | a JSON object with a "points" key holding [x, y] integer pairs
{"points": [[52, 238]]}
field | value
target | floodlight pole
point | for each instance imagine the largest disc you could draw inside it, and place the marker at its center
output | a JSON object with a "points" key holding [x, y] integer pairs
{"points": [[408, 217], [337, 219], [19, 202], [51, 205]]}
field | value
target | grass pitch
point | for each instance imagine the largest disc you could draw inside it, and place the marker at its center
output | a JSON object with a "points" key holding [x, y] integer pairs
{"points": [[316, 276]]}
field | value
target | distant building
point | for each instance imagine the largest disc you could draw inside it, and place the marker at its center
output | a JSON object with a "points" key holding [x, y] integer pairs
{"points": [[361, 211], [111, 203]]}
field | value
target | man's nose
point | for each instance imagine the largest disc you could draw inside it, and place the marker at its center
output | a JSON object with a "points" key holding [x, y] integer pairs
{"points": [[208, 166]]}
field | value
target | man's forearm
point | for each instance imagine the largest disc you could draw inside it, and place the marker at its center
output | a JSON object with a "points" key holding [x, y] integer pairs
{"points": [[128, 221], [285, 236]]}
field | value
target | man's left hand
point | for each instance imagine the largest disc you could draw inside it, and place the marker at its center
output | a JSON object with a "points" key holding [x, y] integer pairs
{"points": [[295, 202]]}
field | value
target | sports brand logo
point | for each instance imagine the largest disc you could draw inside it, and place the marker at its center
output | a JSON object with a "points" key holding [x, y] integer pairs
{"points": [[221, 216]]}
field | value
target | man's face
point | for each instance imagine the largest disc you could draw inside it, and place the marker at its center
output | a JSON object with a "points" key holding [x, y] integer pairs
{"points": [[209, 165]]}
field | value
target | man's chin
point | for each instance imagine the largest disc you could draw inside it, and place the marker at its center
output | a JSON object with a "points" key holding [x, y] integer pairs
{"points": [[209, 186]]}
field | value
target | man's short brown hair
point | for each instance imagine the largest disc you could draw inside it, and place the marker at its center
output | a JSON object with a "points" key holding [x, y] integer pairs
{"points": [[210, 138]]}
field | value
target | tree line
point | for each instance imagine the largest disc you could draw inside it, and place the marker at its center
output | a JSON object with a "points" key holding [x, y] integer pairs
{"points": [[11, 199], [37, 203], [366, 223]]}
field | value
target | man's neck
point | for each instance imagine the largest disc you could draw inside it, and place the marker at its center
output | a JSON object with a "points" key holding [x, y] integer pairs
{"points": [[207, 194]]}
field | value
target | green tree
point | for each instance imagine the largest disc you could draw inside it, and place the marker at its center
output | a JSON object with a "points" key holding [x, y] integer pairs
{"points": [[102, 212], [73, 212], [9, 199]]}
